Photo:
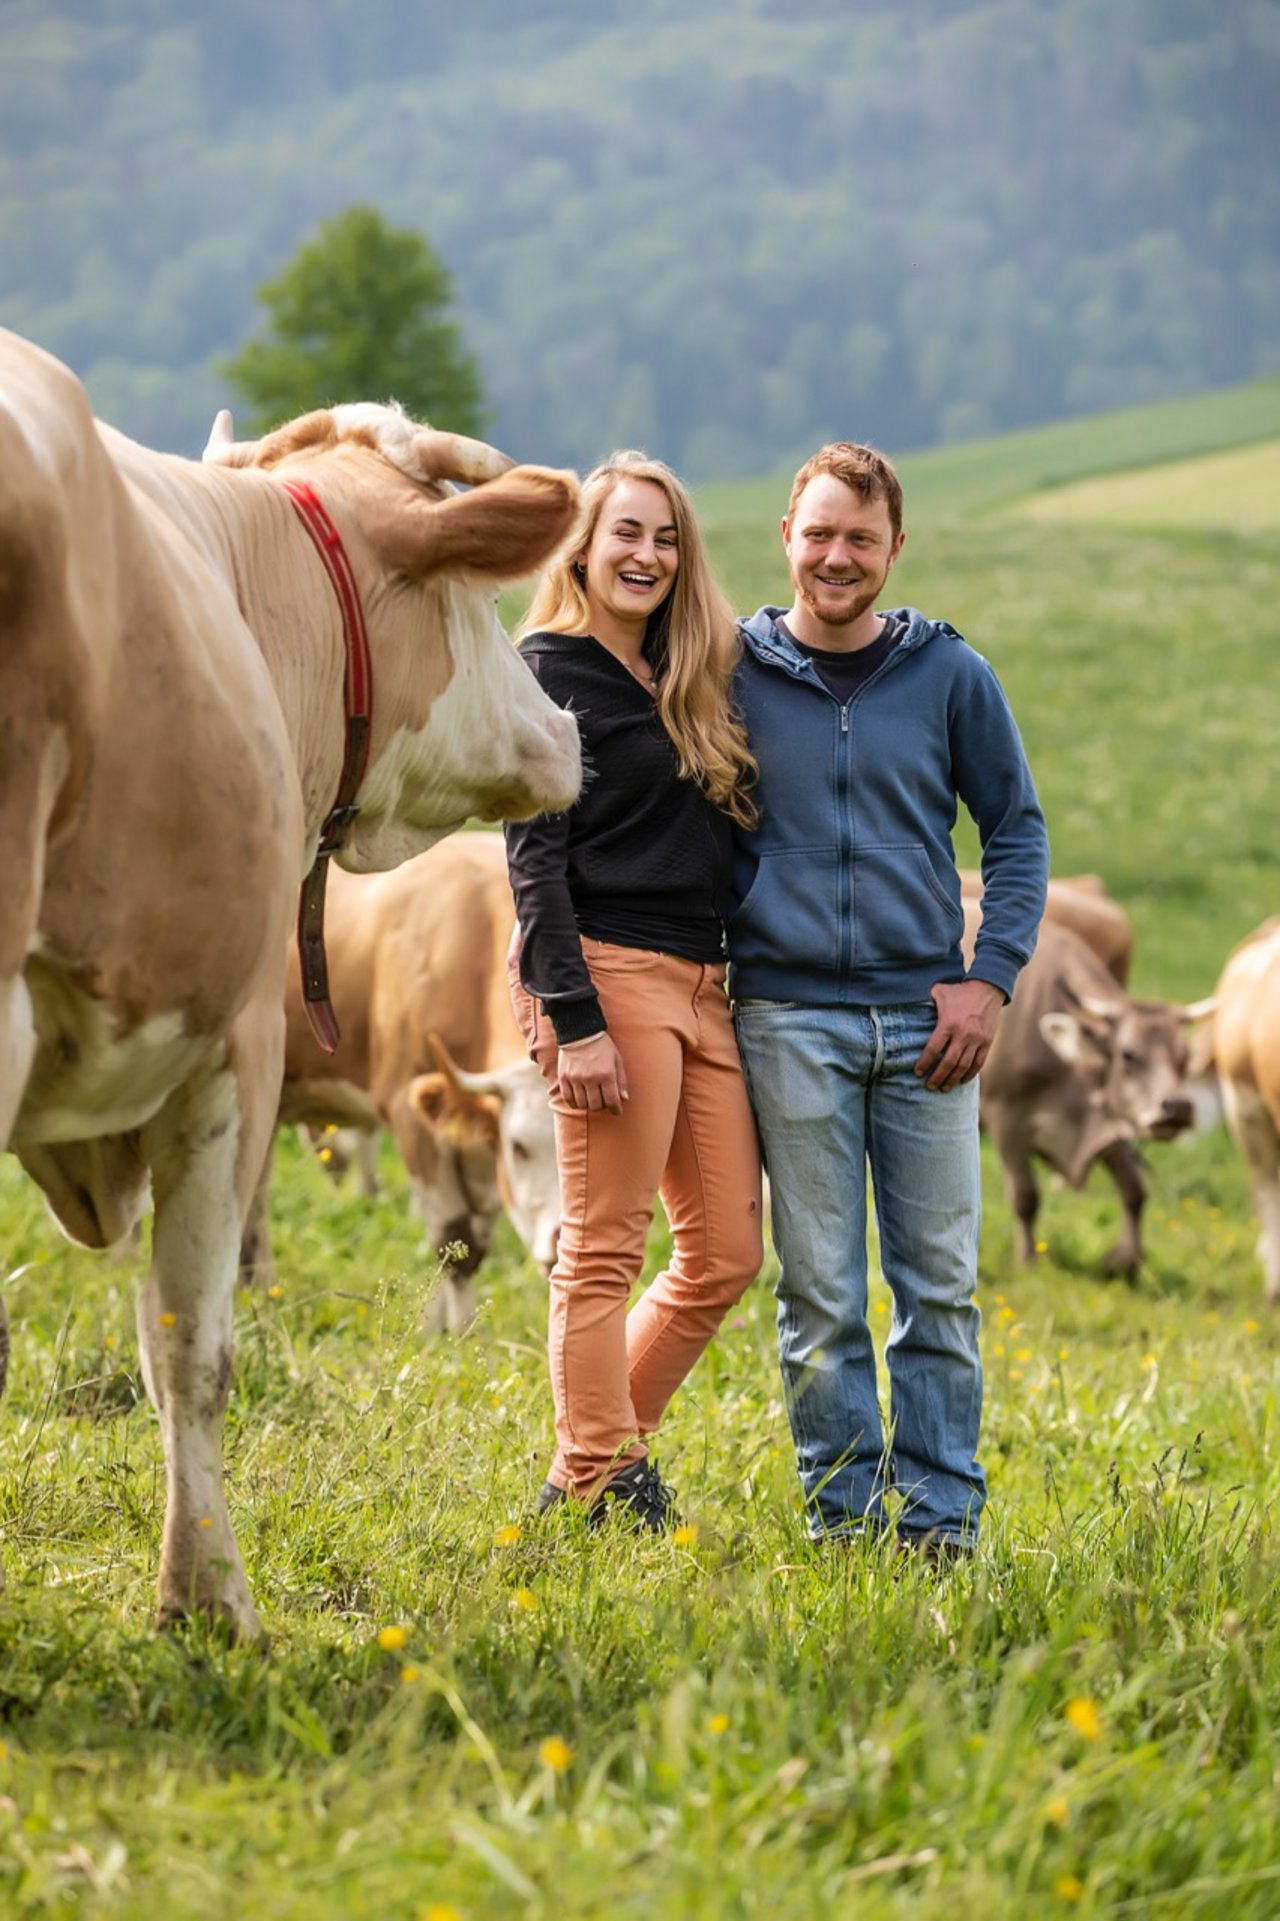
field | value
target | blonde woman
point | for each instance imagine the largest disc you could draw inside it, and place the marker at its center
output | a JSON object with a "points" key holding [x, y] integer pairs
{"points": [[620, 985]]}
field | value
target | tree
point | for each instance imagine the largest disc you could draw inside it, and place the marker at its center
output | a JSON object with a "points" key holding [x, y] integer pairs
{"points": [[359, 313]]}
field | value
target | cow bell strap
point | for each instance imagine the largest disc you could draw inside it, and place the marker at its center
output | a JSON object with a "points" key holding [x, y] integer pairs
{"points": [[357, 698]]}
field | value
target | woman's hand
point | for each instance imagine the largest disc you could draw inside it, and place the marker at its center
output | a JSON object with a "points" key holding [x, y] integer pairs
{"points": [[591, 1075]]}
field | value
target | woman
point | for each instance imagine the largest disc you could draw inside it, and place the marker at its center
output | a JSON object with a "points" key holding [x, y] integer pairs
{"points": [[620, 993]]}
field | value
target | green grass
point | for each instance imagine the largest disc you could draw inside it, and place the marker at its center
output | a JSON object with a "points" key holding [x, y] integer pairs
{"points": [[755, 1728], [1238, 491]]}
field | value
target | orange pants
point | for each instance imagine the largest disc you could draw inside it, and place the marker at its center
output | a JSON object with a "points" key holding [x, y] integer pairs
{"points": [[686, 1133]]}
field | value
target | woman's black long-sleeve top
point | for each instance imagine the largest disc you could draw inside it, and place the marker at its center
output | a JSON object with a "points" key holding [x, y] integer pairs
{"points": [[643, 858]]}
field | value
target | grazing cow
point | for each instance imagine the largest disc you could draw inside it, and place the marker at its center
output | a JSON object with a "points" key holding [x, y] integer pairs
{"points": [[172, 648], [1079, 1072], [417, 965], [1082, 903], [1246, 1050]]}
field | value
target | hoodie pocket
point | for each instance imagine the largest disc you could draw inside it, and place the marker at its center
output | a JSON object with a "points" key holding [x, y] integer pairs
{"points": [[788, 915], [901, 911]]}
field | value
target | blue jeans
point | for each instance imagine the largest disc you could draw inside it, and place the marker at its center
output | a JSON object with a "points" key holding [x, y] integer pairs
{"points": [[833, 1091]]}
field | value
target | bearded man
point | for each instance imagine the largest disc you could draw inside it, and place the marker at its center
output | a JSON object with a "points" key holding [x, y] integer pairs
{"points": [[861, 1029]]}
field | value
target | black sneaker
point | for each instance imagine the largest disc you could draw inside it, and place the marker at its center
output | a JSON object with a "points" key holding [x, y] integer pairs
{"points": [[549, 1496], [639, 1494]]}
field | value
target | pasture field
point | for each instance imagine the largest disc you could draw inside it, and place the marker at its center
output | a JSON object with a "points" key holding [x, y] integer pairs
{"points": [[464, 1714], [1238, 490]]}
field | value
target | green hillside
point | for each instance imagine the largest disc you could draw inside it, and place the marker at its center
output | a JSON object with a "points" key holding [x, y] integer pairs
{"points": [[723, 231], [1239, 490]]}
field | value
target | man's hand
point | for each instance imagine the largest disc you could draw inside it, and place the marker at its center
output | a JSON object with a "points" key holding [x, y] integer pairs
{"points": [[968, 1014], [591, 1075]]}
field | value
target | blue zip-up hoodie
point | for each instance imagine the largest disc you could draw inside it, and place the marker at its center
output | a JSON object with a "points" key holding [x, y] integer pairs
{"points": [[847, 891]]}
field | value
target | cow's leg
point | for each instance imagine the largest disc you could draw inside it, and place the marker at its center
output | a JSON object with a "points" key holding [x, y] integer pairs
{"points": [[256, 1263], [1019, 1181], [1122, 1163], [1257, 1135], [206, 1149], [184, 1330], [365, 1155], [17, 1050]]}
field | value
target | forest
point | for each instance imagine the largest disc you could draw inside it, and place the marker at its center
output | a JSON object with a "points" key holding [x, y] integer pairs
{"points": [[723, 230]]}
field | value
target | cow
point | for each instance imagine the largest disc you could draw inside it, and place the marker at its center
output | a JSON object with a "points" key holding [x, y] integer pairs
{"points": [[417, 966], [1078, 1073], [1246, 1052], [176, 643], [1082, 903]]}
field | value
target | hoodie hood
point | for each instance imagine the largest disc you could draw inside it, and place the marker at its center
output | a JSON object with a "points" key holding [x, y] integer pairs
{"points": [[773, 647]]}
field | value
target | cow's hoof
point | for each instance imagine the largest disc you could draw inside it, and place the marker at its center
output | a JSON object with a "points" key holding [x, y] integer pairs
{"points": [[1122, 1265], [237, 1626]]}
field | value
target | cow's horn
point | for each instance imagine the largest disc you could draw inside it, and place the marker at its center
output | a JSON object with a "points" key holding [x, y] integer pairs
{"points": [[465, 1082], [454, 457], [1199, 1010], [1090, 1003], [222, 448]]}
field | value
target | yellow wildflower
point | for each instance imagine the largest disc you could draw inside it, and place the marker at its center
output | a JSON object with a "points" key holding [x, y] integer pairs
{"points": [[508, 1536], [392, 1639], [439, 1911], [555, 1754], [409, 1674], [525, 1599], [1057, 1809], [1251, 1327], [718, 1724], [1069, 1886], [168, 1320], [686, 1535], [1082, 1715]]}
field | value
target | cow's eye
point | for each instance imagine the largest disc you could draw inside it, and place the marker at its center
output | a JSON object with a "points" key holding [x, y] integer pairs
{"points": [[519, 1152], [1131, 1058]]}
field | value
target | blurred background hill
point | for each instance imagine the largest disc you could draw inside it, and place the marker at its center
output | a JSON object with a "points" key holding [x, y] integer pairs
{"points": [[724, 230]]}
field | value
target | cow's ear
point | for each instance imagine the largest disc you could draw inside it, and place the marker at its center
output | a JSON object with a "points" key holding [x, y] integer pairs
{"points": [[464, 1120], [1073, 1042], [501, 531], [431, 1096]]}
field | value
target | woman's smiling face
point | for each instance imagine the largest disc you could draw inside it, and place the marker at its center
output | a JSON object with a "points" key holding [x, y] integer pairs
{"points": [[634, 555]]}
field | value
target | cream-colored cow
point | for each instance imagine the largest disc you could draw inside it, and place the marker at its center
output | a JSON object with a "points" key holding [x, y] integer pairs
{"points": [[430, 1049], [1246, 1052], [171, 739]]}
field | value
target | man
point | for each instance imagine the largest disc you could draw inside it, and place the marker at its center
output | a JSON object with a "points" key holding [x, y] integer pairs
{"points": [[861, 1032]]}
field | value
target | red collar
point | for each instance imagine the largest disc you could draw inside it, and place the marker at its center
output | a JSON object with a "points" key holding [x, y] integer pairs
{"points": [[357, 695]]}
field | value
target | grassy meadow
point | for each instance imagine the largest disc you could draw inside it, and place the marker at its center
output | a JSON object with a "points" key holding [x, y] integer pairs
{"points": [[466, 1715]]}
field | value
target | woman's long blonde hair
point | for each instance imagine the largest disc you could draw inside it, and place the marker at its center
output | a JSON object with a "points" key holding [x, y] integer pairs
{"points": [[692, 642]]}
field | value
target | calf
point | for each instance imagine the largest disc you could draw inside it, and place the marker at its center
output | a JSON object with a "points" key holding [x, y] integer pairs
{"points": [[1079, 1072], [418, 972], [1246, 1051]]}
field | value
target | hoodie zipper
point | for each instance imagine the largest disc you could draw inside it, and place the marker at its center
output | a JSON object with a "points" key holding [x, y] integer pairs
{"points": [[809, 675]]}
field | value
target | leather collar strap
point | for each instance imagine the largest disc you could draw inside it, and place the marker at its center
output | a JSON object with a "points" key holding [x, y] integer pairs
{"points": [[357, 694]]}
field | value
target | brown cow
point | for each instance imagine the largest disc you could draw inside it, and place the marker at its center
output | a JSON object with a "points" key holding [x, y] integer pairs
{"points": [[1082, 903], [417, 966], [171, 736], [1246, 1050], [1079, 1072]]}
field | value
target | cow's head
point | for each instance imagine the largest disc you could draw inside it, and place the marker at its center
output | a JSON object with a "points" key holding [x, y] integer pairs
{"points": [[508, 1114], [461, 727], [1132, 1055]]}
